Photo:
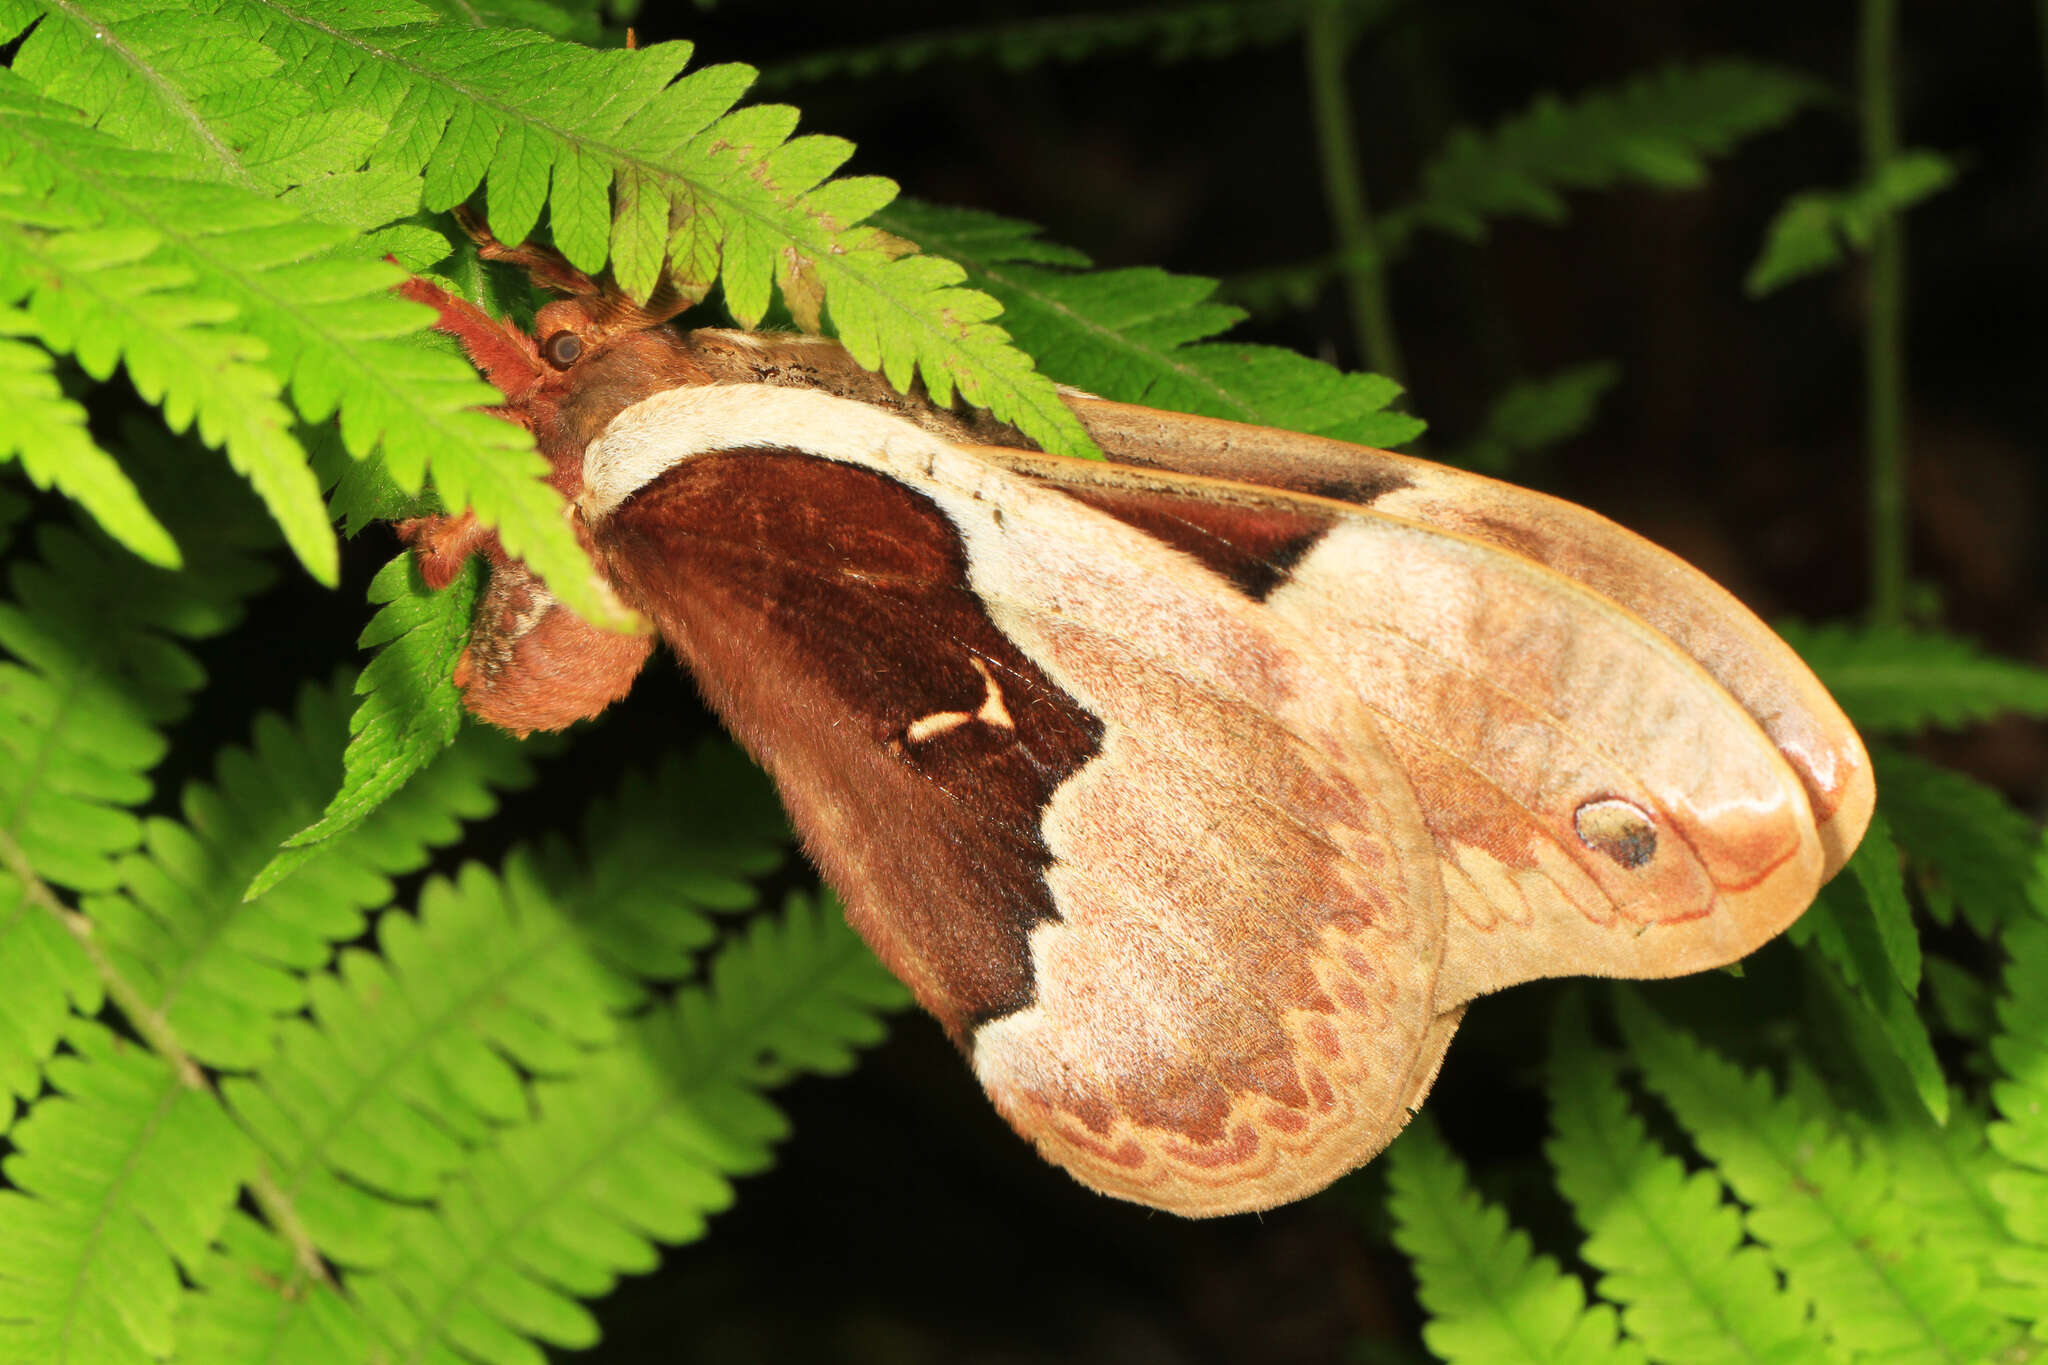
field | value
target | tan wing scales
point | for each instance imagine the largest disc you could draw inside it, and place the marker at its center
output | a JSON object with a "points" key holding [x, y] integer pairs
{"points": [[1697, 614]]}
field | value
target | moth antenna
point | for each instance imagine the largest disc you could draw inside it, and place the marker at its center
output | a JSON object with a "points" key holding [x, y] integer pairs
{"points": [[607, 309], [547, 267], [613, 310]]}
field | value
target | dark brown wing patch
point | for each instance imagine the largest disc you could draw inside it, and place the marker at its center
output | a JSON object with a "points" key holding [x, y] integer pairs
{"points": [[808, 591], [1254, 547]]}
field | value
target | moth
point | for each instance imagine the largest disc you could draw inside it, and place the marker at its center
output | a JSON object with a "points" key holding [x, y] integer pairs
{"points": [[1195, 793]]}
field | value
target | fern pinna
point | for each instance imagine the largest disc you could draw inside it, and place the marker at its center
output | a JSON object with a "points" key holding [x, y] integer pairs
{"points": [[286, 1077]]}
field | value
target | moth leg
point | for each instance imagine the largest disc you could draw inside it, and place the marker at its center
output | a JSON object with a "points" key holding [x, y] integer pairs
{"points": [[442, 545], [532, 664]]}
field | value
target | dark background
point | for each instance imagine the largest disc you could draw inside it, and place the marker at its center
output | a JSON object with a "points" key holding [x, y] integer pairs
{"points": [[904, 1222]]}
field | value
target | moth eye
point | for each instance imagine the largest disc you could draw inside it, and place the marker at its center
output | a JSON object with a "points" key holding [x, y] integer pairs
{"points": [[561, 349], [1619, 829]]}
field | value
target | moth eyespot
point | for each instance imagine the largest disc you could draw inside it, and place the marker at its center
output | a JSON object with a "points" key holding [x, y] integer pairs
{"points": [[1617, 828], [562, 349]]}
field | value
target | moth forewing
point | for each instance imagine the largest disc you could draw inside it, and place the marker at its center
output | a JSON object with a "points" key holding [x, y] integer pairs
{"points": [[1236, 979], [1699, 616], [1193, 807]]}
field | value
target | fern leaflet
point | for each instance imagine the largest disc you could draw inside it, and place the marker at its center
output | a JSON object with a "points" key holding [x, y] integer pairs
{"points": [[218, 971], [1863, 927], [252, 1302], [1537, 414], [577, 20], [1970, 850], [411, 709], [410, 1053], [95, 673], [190, 81], [663, 178], [327, 325], [1824, 1212], [1899, 680], [1669, 1245], [124, 1173], [1140, 335], [2021, 1094], [633, 1147], [1654, 130], [46, 431], [1807, 235], [1490, 1298], [98, 289]]}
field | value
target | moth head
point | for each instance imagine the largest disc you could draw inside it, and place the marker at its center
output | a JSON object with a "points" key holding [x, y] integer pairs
{"points": [[593, 352], [599, 354]]}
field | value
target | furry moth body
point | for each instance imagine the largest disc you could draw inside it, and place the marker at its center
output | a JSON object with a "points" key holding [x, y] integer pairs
{"points": [[1195, 793]]}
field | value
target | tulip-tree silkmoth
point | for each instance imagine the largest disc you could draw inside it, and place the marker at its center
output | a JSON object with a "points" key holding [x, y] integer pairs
{"points": [[1197, 792]]}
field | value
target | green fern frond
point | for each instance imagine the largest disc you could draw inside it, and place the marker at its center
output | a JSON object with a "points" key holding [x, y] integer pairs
{"points": [[46, 431], [1166, 34], [157, 76], [634, 1147], [1823, 1211], [1655, 130], [411, 709], [1140, 335], [413, 1052], [218, 972], [97, 289], [1863, 927], [252, 1301], [47, 973], [692, 836], [1668, 1243], [637, 1150], [663, 178], [1491, 1299], [758, 993], [453, 106], [1944, 1177], [2021, 1132], [1900, 680], [1863, 923], [310, 309], [1968, 848], [1880, 1021], [1808, 234], [95, 671], [1941, 1172], [1958, 1000], [1537, 414], [122, 1175], [1875, 866]]}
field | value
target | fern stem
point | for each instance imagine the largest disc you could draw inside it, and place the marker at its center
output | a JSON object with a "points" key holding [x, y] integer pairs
{"points": [[282, 1214], [1884, 343], [1359, 260], [154, 1030]]}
